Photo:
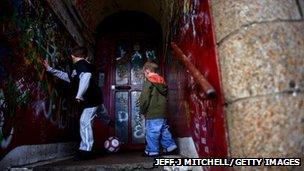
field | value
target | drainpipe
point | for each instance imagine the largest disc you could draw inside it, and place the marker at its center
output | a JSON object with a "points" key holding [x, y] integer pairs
{"points": [[198, 77]]}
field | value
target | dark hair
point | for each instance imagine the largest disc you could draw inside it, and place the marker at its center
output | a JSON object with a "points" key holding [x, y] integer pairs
{"points": [[150, 66], [80, 52]]}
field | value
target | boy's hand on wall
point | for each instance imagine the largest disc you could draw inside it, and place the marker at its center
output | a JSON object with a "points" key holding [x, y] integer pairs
{"points": [[46, 64]]}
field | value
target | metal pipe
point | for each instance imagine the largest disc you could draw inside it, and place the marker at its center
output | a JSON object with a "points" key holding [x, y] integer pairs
{"points": [[199, 78]]}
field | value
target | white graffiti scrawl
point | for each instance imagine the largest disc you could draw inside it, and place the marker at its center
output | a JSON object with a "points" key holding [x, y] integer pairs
{"points": [[4, 141]]}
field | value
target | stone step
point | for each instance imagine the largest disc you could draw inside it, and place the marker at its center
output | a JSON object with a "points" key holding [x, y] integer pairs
{"points": [[137, 166], [124, 161]]}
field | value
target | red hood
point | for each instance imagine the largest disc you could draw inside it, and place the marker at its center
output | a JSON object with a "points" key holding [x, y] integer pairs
{"points": [[155, 78]]}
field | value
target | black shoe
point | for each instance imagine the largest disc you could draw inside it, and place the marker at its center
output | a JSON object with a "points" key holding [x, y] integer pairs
{"points": [[173, 152], [146, 155]]}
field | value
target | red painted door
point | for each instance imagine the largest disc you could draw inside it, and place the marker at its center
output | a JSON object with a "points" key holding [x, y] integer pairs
{"points": [[127, 56]]}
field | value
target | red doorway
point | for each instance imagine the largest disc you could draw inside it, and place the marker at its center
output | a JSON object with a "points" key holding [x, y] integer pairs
{"points": [[120, 55]]}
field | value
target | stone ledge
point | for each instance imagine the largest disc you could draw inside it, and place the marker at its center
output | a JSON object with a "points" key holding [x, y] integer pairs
{"points": [[230, 15], [28, 154]]}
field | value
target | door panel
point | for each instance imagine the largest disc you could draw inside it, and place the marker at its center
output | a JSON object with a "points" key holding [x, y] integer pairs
{"points": [[131, 52], [127, 87], [122, 71], [122, 115], [138, 134], [137, 63]]}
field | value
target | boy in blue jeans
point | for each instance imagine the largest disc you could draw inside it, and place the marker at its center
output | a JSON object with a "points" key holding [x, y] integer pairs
{"points": [[153, 105]]}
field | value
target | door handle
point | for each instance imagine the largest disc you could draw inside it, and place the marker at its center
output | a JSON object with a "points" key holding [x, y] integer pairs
{"points": [[120, 87]]}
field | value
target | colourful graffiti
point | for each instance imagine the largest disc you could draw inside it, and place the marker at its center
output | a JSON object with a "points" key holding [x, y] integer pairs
{"points": [[32, 102], [194, 21]]}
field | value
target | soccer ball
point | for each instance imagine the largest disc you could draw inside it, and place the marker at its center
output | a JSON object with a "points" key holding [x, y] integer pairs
{"points": [[112, 144]]}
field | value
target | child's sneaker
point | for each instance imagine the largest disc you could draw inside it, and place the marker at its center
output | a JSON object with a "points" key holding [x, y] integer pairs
{"points": [[147, 155], [173, 152]]}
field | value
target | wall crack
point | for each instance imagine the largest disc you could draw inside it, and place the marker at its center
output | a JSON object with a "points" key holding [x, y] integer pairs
{"points": [[294, 92], [245, 26]]}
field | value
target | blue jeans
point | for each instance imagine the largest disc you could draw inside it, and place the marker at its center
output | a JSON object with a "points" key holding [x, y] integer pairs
{"points": [[157, 130]]}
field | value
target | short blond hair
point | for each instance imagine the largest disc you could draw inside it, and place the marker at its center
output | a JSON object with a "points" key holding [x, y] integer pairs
{"points": [[151, 66]]}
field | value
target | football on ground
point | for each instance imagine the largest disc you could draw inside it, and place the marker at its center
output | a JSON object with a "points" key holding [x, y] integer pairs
{"points": [[112, 144]]}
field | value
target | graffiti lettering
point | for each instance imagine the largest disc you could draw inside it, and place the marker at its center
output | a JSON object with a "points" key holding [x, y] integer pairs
{"points": [[63, 118], [203, 119], [4, 141], [138, 122], [122, 116], [40, 107], [138, 131]]}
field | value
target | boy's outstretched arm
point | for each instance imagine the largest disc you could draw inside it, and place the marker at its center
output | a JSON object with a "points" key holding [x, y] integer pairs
{"points": [[84, 81], [60, 74]]}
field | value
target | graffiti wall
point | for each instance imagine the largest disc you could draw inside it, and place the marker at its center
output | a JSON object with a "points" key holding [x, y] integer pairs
{"points": [[201, 118], [35, 108]]}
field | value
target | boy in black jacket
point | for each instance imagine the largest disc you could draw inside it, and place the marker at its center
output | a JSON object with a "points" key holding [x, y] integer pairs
{"points": [[88, 94]]}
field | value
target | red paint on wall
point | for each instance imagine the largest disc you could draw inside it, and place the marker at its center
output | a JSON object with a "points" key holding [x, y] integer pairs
{"points": [[205, 117]]}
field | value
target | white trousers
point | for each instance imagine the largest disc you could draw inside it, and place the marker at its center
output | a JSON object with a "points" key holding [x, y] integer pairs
{"points": [[86, 132]]}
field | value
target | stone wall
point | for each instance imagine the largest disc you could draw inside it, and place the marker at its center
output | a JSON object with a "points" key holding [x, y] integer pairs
{"points": [[261, 55]]}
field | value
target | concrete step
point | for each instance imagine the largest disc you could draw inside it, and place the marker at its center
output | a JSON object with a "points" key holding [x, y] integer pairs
{"points": [[123, 161]]}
